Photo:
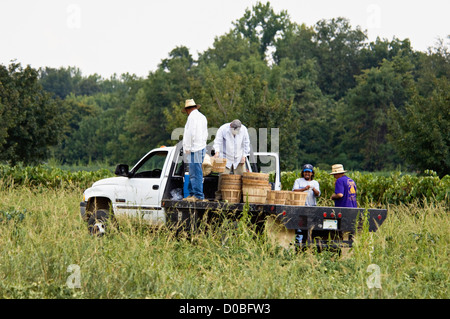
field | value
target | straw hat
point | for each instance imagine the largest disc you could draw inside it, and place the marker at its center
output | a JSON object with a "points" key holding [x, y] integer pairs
{"points": [[337, 169], [190, 103]]}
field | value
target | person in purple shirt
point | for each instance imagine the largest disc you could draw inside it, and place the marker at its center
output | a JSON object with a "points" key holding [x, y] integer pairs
{"points": [[344, 188]]}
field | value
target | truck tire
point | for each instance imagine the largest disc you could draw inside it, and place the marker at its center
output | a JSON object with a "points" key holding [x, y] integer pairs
{"points": [[98, 222]]}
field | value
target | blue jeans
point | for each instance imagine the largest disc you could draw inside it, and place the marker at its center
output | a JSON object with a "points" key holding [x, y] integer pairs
{"points": [[195, 186], [298, 236]]}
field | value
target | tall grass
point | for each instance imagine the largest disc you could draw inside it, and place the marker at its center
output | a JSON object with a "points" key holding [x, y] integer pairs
{"points": [[222, 261]]}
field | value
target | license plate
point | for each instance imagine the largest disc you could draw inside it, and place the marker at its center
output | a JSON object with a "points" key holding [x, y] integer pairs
{"points": [[329, 224]]}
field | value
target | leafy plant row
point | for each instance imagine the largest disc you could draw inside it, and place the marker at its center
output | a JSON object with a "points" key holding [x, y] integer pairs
{"points": [[377, 190], [41, 176], [397, 188]]}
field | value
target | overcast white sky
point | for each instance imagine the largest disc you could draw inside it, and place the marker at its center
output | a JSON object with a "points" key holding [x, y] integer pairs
{"points": [[107, 37]]}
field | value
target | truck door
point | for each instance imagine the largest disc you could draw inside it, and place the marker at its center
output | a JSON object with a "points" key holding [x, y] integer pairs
{"points": [[146, 186]]}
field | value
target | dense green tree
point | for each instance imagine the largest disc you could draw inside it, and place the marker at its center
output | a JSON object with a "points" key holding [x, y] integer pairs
{"points": [[61, 82], [144, 121], [333, 96], [373, 54], [335, 46], [262, 26], [74, 109], [297, 44], [421, 131], [363, 113], [241, 90], [144, 125], [98, 139], [312, 135], [31, 118], [338, 54], [432, 65], [231, 46], [101, 114], [89, 85]]}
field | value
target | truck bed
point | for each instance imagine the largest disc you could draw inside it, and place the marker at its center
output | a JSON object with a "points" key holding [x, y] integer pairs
{"points": [[318, 223]]}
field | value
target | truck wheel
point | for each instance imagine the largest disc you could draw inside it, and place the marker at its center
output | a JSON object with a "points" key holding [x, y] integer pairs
{"points": [[98, 222]]}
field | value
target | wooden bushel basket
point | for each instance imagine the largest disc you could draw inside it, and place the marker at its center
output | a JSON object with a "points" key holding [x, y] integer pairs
{"points": [[231, 195], [258, 176], [254, 183], [281, 197], [230, 181], [297, 198], [255, 195], [218, 165], [270, 196], [233, 177]]}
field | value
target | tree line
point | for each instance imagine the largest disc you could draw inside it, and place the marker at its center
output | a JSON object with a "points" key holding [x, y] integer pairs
{"points": [[333, 95]]}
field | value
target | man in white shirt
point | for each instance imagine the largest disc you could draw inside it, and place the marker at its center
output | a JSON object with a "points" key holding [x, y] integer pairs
{"points": [[194, 147], [232, 143]]}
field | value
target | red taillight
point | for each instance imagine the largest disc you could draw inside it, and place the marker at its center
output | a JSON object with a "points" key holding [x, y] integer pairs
{"points": [[324, 214], [379, 217], [339, 215], [272, 208], [332, 215], [284, 213]]}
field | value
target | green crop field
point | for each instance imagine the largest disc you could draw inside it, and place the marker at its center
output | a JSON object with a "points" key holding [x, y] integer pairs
{"points": [[46, 252]]}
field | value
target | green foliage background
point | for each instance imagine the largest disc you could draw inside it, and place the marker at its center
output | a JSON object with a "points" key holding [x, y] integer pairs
{"points": [[374, 189], [334, 96]]}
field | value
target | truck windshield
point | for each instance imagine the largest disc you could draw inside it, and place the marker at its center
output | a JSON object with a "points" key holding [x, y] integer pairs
{"points": [[151, 167]]}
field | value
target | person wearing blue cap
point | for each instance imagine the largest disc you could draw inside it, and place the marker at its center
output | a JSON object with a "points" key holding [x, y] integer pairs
{"points": [[306, 184]]}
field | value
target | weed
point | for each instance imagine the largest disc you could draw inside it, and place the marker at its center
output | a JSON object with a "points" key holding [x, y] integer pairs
{"points": [[223, 260]]}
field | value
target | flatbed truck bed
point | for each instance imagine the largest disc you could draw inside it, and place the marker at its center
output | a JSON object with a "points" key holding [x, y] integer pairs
{"points": [[322, 226]]}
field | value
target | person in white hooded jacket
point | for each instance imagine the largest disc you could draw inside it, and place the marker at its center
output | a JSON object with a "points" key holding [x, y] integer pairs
{"points": [[232, 143]]}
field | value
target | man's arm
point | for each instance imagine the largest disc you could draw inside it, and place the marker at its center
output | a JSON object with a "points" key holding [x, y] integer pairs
{"points": [[187, 137], [316, 189], [338, 190], [337, 196]]}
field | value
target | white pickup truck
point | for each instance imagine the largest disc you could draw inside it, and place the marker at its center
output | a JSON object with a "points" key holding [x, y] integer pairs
{"points": [[153, 190]]}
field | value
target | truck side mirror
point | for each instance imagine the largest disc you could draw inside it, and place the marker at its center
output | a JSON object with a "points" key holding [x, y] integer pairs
{"points": [[122, 170]]}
